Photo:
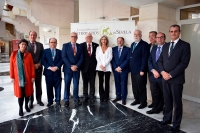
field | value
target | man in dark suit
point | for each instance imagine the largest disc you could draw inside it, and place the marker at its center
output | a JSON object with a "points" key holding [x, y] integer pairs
{"points": [[172, 63], [52, 62], [88, 68], [36, 49], [72, 55], [139, 54], [120, 65], [154, 76], [152, 39]]}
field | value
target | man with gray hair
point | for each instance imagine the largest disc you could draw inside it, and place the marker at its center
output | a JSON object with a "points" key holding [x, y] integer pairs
{"points": [[88, 68], [72, 55], [139, 53]]}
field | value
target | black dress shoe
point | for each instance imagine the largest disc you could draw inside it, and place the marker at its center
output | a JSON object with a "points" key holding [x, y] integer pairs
{"points": [[150, 106], [30, 105], [85, 99], [152, 112], [27, 109], [106, 100], [124, 102], [21, 112], [165, 122], [49, 104], [58, 104], [92, 97], [77, 102], [142, 106], [40, 103], [134, 103], [175, 130], [115, 100], [66, 104]]}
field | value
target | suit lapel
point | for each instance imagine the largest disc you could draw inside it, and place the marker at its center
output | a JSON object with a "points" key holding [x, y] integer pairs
{"points": [[49, 53], [176, 47]]}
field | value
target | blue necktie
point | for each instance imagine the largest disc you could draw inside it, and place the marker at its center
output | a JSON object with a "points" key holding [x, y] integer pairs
{"points": [[119, 52], [171, 48], [53, 53], [134, 45], [158, 53]]}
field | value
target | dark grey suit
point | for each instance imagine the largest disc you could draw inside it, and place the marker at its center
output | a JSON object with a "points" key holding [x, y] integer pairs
{"points": [[38, 72], [175, 65]]}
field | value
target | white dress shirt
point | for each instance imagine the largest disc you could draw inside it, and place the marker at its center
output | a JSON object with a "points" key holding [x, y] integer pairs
{"points": [[175, 42], [104, 59]]}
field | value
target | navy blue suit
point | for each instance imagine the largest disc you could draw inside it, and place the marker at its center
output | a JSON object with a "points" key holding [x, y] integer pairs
{"points": [[175, 65], [53, 79], [139, 63], [121, 78], [156, 83], [70, 59]]}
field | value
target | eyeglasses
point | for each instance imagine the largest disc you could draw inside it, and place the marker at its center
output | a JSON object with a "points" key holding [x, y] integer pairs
{"points": [[152, 37], [160, 37], [73, 36], [53, 42]]}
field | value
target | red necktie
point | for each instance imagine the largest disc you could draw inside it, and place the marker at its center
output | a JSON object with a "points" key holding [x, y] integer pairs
{"points": [[74, 49], [89, 50]]}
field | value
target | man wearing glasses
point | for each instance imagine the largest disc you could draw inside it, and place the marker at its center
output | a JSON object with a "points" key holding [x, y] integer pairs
{"points": [[88, 68], [155, 76], [72, 55], [52, 62]]}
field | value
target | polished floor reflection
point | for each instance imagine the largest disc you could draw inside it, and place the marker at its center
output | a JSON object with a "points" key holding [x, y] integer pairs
{"points": [[91, 117], [105, 118]]}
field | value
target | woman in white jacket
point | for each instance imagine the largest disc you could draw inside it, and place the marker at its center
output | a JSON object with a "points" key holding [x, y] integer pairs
{"points": [[104, 57]]}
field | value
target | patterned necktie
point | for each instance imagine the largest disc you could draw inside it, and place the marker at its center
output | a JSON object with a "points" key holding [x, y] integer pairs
{"points": [[119, 52], [89, 50], [74, 49], [53, 53], [32, 45], [171, 48], [134, 46], [158, 53]]}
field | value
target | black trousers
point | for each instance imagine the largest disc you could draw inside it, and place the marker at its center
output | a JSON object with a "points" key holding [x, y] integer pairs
{"points": [[173, 98], [157, 96], [21, 100], [38, 85], [139, 88], [88, 77], [104, 94]]}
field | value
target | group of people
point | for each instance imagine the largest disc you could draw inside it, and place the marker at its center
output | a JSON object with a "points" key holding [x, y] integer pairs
{"points": [[163, 63]]}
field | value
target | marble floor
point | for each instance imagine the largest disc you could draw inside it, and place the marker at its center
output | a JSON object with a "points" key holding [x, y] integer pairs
{"points": [[90, 117]]}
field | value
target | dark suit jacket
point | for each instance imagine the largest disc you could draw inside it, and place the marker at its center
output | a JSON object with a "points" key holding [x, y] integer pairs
{"points": [[69, 58], [47, 61], [89, 62], [178, 61], [39, 49], [123, 61], [153, 64], [139, 57]]}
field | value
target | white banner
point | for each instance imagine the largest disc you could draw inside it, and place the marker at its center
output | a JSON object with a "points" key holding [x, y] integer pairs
{"points": [[113, 30]]}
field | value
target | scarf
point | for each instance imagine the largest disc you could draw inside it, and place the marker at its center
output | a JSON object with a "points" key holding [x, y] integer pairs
{"points": [[20, 69]]}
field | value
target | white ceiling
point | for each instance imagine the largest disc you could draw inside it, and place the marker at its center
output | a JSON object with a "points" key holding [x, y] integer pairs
{"points": [[138, 3]]}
